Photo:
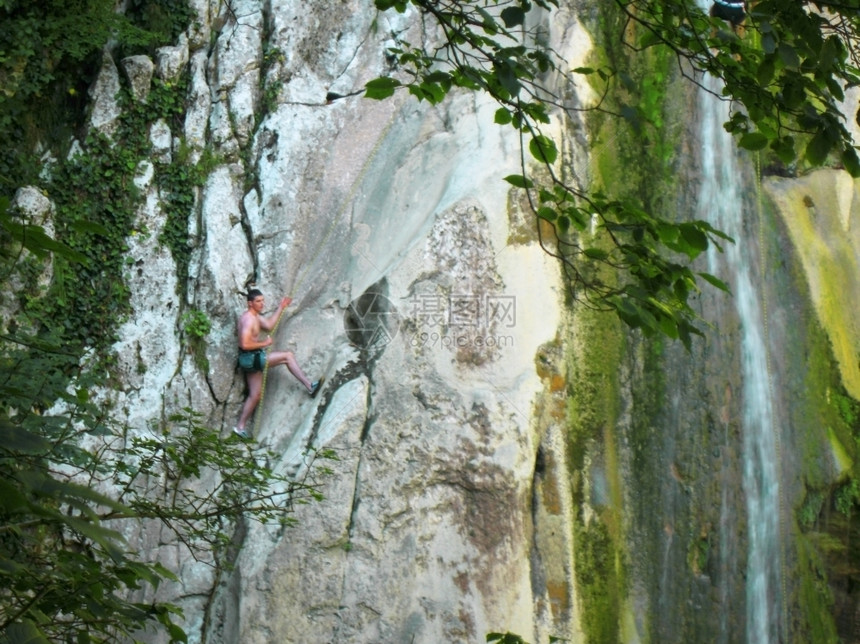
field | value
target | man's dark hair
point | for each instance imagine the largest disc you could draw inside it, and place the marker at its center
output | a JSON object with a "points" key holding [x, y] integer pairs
{"points": [[254, 293]]}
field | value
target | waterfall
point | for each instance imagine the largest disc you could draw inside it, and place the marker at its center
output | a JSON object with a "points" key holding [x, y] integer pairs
{"points": [[721, 203]]}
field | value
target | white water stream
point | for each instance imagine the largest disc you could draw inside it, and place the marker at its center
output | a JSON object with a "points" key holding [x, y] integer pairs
{"points": [[721, 203]]}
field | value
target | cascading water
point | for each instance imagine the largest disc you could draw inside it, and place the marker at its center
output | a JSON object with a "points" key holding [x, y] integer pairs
{"points": [[721, 203]]}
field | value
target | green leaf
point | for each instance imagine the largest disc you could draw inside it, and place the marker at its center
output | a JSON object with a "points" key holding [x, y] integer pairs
{"points": [[595, 253], [788, 55], [543, 149], [851, 163], [433, 93], [714, 281], [753, 141], [24, 632], [80, 496], [667, 233], [9, 567], [489, 24], [818, 148], [176, 633], [648, 38], [691, 241], [380, 88], [513, 16], [668, 327], [505, 638], [765, 71], [545, 212], [443, 79], [506, 75], [793, 91], [90, 227], [628, 313], [829, 55], [11, 498], [835, 89], [383, 5], [578, 217], [17, 439], [537, 111], [784, 149], [503, 116], [34, 239], [519, 181]]}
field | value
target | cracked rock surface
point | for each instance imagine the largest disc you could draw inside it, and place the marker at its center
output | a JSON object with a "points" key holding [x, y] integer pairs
{"points": [[388, 224]]}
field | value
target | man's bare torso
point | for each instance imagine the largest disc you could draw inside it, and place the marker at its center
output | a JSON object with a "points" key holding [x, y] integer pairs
{"points": [[248, 328]]}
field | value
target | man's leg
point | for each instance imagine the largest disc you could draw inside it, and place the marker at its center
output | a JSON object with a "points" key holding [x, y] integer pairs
{"points": [[255, 383], [287, 358]]}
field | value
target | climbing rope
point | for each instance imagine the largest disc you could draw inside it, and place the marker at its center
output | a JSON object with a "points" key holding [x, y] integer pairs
{"points": [[258, 416], [773, 425]]}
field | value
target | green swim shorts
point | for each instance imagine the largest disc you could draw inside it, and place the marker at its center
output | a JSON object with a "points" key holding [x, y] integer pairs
{"points": [[252, 361]]}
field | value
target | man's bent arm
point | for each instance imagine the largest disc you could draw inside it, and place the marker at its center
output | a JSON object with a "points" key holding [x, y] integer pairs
{"points": [[267, 324], [247, 341]]}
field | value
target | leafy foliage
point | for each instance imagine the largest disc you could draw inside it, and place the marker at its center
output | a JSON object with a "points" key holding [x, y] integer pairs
{"points": [[789, 68], [49, 52], [196, 323], [847, 496], [72, 483], [788, 72], [96, 201], [164, 18]]}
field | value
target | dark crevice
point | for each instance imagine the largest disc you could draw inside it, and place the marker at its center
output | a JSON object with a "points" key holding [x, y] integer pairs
{"points": [[349, 372], [356, 487], [537, 575], [221, 618], [252, 246]]}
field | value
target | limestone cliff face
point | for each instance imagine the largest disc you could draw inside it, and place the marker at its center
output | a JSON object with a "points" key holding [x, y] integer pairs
{"points": [[390, 227]]}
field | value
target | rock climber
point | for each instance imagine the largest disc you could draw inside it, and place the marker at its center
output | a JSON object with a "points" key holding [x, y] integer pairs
{"points": [[732, 11], [253, 358]]}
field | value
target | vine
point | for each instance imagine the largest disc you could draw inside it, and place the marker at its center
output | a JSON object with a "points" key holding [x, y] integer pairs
{"points": [[96, 211], [92, 188], [196, 325]]}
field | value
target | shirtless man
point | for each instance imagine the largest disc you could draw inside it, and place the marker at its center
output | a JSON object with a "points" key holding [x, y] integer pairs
{"points": [[253, 357]]}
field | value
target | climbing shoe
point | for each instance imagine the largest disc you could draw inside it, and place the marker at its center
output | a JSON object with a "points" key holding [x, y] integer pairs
{"points": [[315, 387], [241, 433]]}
